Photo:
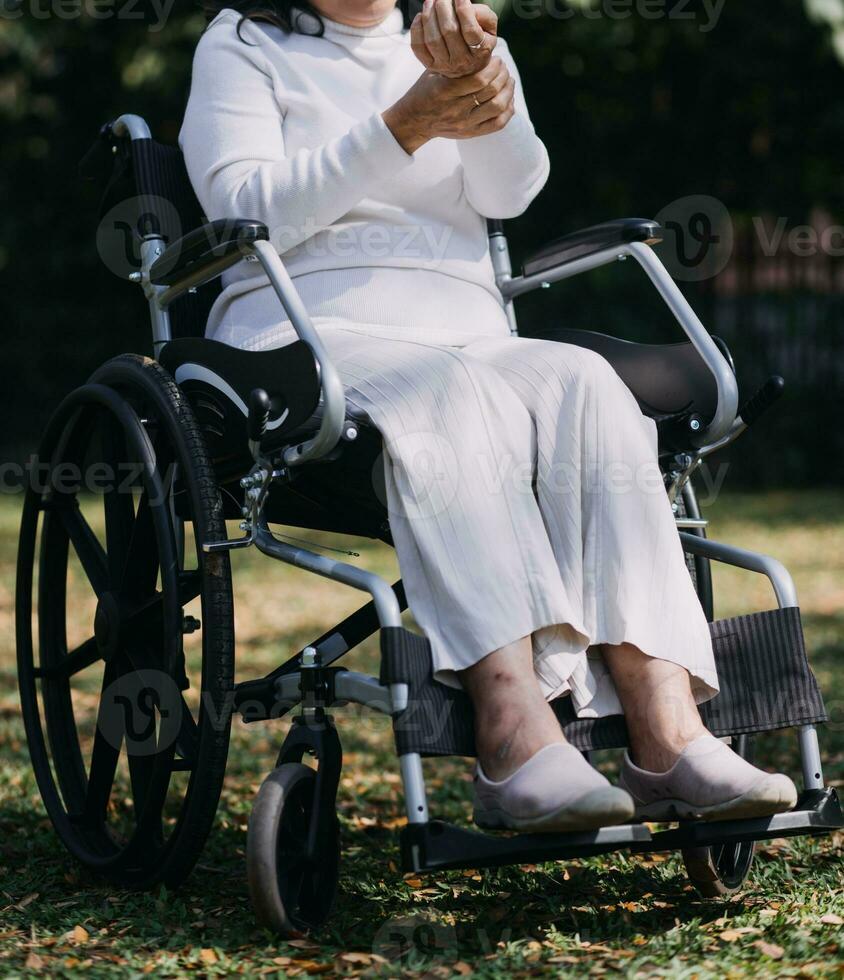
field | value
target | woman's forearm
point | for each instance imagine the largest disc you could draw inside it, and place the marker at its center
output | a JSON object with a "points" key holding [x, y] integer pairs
{"points": [[504, 171]]}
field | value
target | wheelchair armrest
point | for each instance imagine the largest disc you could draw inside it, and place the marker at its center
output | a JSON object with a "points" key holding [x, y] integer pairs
{"points": [[211, 249], [590, 241]]}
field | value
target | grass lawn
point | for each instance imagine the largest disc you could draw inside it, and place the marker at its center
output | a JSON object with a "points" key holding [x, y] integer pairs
{"points": [[616, 915]]}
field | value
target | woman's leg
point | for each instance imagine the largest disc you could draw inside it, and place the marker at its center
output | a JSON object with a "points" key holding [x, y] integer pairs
{"points": [[478, 567], [660, 710], [608, 518], [513, 721]]}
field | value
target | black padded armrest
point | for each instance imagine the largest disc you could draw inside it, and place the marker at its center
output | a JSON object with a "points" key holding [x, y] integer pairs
{"points": [[597, 238], [206, 248]]}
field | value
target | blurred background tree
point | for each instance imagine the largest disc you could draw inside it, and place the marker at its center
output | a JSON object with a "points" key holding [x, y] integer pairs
{"points": [[640, 102]]}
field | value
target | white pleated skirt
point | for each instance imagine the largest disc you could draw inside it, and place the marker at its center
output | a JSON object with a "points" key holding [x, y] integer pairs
{"points": [[522, 483]]}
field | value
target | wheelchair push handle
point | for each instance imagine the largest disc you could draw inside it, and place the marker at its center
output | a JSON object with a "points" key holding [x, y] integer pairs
{"points": [[259, 414], [762, 400]]}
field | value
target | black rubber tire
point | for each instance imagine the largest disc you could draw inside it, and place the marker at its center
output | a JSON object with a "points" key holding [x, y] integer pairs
{"points": [[718, 870], [721, 870], [291, 895], [123, 392]]}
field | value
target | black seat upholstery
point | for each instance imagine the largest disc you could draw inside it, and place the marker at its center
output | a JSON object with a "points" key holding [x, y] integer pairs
{"points": [[590, 241], [669, 381], [218, 380], [343, 494], [149, 182]]}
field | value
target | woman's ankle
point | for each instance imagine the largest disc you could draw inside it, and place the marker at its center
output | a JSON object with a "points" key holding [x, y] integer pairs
{"points": [[506, 744], [660, 753]]}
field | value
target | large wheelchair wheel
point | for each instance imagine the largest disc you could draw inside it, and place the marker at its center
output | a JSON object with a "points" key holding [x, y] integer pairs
{"points": [[292, 891], [124, 627]]}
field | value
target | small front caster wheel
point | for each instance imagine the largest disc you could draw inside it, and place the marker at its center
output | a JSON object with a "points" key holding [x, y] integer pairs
{"points": [[292, 891]]}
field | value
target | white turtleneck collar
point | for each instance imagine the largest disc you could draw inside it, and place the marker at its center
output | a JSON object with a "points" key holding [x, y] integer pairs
{"points": [[392, 24]]}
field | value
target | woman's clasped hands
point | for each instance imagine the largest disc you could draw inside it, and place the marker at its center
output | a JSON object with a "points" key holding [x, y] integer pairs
{"points": [[465, 90]]}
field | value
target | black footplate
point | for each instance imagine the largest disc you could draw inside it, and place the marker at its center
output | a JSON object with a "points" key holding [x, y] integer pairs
{"points": [[818, 811], [438, 846]]}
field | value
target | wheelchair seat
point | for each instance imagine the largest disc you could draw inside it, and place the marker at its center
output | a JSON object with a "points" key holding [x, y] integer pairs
{"points": [[671, 382]]}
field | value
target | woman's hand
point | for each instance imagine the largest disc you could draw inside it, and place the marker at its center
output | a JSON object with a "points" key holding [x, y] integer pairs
{"points": [[455, 108], [454, 37]]}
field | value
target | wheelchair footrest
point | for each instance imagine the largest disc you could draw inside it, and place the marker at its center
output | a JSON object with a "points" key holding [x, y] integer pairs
{"points": [[766, 684], [818, 811], [436, 845]]}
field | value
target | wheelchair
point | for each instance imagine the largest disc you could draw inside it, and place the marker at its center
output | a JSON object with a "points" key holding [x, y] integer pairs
{"points": [[202, 433]]}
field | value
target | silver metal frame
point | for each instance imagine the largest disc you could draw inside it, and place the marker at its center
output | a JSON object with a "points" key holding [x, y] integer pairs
{"points": [[786, 594]]}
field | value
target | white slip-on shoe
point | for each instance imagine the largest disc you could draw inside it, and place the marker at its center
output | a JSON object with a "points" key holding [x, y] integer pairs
{"points": [[708, 782], [556, 790]]}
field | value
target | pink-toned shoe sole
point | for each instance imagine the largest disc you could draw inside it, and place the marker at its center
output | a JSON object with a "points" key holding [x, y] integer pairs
{"points": [[602, 807], [776, 794]]}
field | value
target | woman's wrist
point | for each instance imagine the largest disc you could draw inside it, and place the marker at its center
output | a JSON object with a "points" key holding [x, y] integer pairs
{"points": [[405, 134]]}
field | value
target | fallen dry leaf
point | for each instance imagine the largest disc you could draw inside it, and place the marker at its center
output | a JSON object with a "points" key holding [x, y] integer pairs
{"points": [[831, 919], [731, 935], [770, 949], [311, 966], [208, 957], [363, 958], [78, 935], [34, 962]]}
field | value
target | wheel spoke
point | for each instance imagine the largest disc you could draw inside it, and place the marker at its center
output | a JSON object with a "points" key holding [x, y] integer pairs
{"points": [[150, 609], [140, 653], [85, 543], [141, 770], [187, 743], [141, 567], [190, 586], [118, 504], [104, 757], [83, 656]]}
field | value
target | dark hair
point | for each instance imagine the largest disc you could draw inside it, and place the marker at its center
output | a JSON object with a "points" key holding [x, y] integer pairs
{"points": [[284, 13]]}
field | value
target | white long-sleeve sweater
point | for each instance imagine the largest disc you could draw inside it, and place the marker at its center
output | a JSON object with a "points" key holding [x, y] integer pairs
{"points": [[287, 129]]}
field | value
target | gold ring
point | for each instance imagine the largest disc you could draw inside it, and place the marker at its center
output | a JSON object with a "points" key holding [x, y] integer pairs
{"points": [[475, 47], [477, 104]]}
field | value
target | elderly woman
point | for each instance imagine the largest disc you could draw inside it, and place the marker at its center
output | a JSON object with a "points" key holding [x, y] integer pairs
{"points": [[533, 533]]}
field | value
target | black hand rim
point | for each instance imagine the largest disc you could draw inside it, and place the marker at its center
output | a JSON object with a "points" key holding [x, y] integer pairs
{"points": [[147, 856]]}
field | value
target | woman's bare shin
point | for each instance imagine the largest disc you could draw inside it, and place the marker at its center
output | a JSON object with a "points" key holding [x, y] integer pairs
{"points": [[512, 719]]}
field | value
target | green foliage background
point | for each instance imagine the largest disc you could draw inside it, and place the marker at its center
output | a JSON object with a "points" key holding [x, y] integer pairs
{"points": [[636, 112]]}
